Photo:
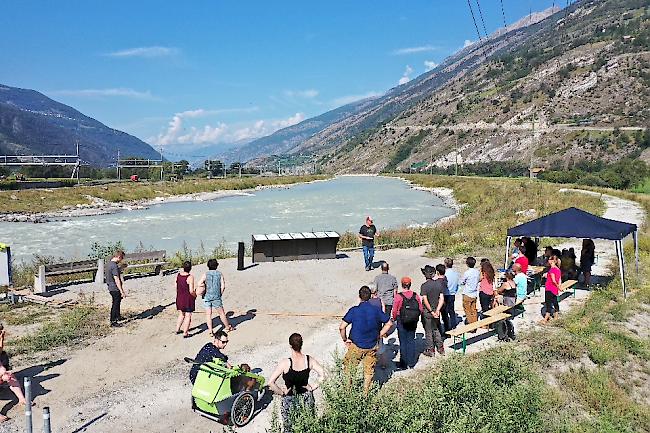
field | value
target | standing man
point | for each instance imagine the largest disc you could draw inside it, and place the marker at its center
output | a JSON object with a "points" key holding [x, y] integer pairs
{"points": [[386, 285], [470, 282], [367, 234], [448, 311], [369, 324], [115, 283], [432, 302]]}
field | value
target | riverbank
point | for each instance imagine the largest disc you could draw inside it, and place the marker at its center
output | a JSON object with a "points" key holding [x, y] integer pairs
{"points": [[39, 206]]}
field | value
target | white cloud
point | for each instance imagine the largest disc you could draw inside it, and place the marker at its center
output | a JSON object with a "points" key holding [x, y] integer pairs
{"points": [[467, 43], [146, 52], [101, 93], [414, 50], [304, 94], [429, 65], [179, 133], [348, 99], [406, 76]]}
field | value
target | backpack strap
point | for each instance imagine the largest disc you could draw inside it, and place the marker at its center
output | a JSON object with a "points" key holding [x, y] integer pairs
{"points": [[308, 361]]}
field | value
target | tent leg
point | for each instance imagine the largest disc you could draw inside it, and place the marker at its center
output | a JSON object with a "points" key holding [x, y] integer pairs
{"points": [[635, 236], [507, 257], [621, 266]]}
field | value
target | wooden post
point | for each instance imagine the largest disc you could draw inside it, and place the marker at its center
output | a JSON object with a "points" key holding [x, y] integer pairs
{"points": [[240, 256], [39, 280]]}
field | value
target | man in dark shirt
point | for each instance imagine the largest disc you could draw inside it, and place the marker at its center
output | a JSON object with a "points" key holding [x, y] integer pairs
{"points": [[367, 234], [369, 324], [115, 283], [209, 352], [433, 300]]}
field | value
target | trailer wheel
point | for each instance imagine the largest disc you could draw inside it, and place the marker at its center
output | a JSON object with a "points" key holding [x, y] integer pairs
{"points": [[242, 409]]}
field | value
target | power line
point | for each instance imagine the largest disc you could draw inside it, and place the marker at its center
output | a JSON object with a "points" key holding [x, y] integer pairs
{"points": [[471, 11], [480, 12], [503, 13]]}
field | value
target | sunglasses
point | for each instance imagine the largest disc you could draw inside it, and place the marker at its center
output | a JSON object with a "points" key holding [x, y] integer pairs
{"points": [[224, 341]]}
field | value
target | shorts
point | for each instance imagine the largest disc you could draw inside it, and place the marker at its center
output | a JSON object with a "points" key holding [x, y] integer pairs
{"points": [[213, 303]]}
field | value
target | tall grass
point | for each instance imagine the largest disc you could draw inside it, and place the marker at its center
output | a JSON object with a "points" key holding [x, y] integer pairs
{"points": [[495, 392], [490, 207]]}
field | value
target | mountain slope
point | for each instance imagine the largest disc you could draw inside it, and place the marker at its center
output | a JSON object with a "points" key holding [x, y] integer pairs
{"points": [[285, 139], [33, 124], [580, 74]]}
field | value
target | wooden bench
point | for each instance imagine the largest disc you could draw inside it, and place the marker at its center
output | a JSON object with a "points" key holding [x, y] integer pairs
{"points": [[69, 268], [464, 329], [503, 308], [154, 259], [568, 285]]}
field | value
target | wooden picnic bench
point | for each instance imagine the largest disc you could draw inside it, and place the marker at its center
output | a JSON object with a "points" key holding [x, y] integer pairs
{"points": [[503, 308], [568, 285], [464, 329], [69, 268]]}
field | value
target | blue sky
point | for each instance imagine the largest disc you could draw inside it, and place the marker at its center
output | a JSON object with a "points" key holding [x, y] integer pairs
{"points": [[204, 72]]}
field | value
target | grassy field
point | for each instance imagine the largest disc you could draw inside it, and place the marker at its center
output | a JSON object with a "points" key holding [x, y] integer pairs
{"points": [[47, 200], [585, 373], [490, 207]]}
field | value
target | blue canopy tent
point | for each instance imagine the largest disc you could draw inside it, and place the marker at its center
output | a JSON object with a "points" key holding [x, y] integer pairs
{"points": [[576, 223]]}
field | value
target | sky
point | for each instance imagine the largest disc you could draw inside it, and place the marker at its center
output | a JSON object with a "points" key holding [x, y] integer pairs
{"points": [[193, 76]]}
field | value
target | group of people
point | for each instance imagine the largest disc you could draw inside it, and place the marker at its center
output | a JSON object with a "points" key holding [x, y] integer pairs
{"points": [[210, 287]]}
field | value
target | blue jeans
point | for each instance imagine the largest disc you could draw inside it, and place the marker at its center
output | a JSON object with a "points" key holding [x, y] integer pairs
{"points": [[368, 255], [407, 353], [448, 313]]}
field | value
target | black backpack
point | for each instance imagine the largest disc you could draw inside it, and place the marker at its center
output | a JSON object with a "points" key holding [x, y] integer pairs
{"points": [[409, 312]]}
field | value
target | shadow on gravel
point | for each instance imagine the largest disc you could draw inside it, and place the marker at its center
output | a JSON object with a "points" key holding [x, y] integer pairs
{"points": [[90, 422], [216, 322], [36, 373]]}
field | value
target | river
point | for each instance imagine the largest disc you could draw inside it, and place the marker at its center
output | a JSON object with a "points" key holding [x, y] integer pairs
{"points": [[338, 205]]}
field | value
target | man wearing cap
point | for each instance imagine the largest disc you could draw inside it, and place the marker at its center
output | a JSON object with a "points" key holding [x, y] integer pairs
{"points": [[367, 234], [369, 324]]}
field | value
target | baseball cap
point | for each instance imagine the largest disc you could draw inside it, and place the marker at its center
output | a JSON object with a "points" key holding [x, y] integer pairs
{"points": [[406, 281]]}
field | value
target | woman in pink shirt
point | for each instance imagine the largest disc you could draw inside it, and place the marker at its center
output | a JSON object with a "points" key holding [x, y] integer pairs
{"points": [[486, 286], [553, 283]]}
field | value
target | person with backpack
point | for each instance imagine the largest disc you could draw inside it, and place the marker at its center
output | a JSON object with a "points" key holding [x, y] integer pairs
{"points": [[432, 293], [407, 308]]}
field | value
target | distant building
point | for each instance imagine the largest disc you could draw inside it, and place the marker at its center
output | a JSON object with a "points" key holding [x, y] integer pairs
{"points": [[535, 171]]}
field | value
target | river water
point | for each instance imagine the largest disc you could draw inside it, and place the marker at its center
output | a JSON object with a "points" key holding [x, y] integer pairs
{"points": [[338, 205]]}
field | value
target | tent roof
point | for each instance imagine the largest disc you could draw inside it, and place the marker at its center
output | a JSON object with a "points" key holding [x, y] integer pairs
{"points": [[574, 223]]}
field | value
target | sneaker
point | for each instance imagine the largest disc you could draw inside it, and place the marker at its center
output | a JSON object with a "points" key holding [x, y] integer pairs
{"points": [[115, 325], [428, 353]]}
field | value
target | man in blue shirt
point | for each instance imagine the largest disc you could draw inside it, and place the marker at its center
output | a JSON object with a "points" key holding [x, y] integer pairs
{"points": [[369, 324], [448, 311]]}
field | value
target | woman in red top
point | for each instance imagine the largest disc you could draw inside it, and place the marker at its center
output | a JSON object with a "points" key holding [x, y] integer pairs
{"points": [[553, 283], [185, 297]]}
